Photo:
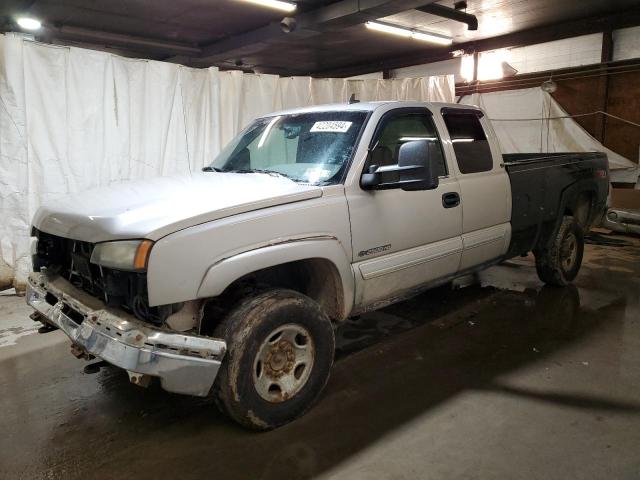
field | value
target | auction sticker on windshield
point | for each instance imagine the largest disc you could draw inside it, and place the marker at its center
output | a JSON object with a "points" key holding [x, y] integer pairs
{"points": [[331, 126]]}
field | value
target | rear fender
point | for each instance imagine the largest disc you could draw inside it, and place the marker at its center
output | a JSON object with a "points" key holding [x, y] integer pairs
{"points": [[568, 199]]}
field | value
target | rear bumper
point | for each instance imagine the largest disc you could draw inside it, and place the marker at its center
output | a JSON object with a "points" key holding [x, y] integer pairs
{"points": [[186, 364]]}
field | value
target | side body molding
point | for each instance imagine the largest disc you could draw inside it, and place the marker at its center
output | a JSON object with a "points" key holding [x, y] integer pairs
{"points": [[224, 272]]}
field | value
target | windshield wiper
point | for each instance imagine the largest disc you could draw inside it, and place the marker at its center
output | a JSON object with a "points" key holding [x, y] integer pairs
{"points": [[259, 170]]}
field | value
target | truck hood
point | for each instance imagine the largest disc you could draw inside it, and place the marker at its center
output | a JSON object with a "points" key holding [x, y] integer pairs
{"points": [[157, 207]]}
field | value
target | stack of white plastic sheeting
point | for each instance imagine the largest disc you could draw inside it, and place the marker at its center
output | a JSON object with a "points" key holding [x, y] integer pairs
{"points": [[509, 111], [74, 119]]}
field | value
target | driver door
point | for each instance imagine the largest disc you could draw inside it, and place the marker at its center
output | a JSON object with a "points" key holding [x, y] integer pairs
{"points": [[403, 240]]}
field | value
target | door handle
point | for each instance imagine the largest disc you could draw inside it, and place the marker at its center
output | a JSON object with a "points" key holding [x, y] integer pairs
{"points": [[450, 199]]}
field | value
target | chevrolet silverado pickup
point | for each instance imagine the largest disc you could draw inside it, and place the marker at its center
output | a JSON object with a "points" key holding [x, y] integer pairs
{"points": [[229, 282]]}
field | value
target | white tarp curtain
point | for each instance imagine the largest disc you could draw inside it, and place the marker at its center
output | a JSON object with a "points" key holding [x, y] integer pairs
{"points": [[506, 109], [73, 119]]}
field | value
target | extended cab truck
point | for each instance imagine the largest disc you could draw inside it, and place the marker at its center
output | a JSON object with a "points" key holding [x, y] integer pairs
{"points": [[230, 282]]}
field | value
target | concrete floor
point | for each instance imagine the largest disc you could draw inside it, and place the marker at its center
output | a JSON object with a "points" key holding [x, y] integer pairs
{"points": [[506, 379]]}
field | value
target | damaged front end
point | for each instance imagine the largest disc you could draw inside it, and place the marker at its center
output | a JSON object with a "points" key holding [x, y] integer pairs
{"points": [[71, 260], [186, 364], [105, 313]]}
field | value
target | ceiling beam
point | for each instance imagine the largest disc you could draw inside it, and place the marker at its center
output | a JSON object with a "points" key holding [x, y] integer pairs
{"points": [[337, 16], [119, 39], [532, 36], [451, 14]]}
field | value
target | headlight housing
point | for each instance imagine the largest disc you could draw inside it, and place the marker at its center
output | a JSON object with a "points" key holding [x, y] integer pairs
{"points": [[131, 255]]}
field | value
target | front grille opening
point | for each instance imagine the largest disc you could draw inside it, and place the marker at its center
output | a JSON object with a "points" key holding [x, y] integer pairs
{"points": [[71, 259], [50, 298], [74, 315]]}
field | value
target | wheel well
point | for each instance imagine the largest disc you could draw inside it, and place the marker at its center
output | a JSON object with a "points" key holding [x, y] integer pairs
{"points": [[317, 278], [581, 209]]}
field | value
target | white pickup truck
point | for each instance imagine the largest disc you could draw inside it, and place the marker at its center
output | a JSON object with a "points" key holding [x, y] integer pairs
{"points": [[230, 282]]}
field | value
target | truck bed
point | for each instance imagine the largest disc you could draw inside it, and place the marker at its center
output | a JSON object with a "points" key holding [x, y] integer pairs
{"points": [[544, 187]]}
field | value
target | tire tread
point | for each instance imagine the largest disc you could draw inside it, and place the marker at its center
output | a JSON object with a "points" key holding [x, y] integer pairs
{"points": [[236, 329], [548, 261]]}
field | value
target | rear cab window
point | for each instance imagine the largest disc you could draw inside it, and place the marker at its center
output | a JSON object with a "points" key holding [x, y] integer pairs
{"points": [[470, 143]]}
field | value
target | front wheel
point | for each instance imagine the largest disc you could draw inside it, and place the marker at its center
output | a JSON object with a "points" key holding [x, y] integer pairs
{"points": [[280, 351], [560, 262]]}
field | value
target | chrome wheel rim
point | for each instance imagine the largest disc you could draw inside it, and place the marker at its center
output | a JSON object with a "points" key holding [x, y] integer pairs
{"points": [[569, 251], [283, 363]]}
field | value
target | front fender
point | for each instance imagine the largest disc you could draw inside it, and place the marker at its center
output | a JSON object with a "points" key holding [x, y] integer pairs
{"points": [[224, 272]]}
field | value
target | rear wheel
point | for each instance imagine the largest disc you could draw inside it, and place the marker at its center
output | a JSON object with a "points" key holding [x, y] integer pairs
{"points": [[280, 351], [560, 263]]}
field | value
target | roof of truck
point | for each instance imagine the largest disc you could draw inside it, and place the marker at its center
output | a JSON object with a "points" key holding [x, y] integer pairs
{"points": [[367, 107]]}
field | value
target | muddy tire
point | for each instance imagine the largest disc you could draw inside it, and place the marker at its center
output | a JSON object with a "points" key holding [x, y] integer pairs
{"points": [[280, 348], [560, 263]]}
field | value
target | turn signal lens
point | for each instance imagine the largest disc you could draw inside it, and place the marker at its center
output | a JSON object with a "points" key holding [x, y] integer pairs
{"points": [[142, 255]]}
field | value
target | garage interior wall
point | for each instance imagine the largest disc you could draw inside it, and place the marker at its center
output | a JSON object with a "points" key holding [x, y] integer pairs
{"points": [[72, 119], [568, 52], [615, 92], [586, 94]]}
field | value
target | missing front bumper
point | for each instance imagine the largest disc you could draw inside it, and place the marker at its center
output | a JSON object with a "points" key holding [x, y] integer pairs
{"points": [[186, 364]]}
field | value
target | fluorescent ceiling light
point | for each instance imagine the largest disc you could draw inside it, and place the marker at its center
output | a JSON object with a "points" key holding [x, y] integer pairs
{"points": [[277, 4], [29, 23], [431, 37], [409, 33], [465, 140], [383, 27]]}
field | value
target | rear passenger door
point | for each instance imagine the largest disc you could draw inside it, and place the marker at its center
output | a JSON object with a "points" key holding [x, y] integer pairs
{"points": [[484, 186]]}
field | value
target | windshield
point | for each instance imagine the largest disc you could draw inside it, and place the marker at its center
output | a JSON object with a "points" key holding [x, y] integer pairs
{"points": [[310, 148]]}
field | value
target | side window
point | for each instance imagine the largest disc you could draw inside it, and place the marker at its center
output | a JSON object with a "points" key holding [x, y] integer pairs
{"points": [[469, 141], [399, 129]]}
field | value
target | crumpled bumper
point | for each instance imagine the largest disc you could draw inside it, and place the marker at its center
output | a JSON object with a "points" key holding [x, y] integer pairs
{"points": [[622, 220], [186, 364]]}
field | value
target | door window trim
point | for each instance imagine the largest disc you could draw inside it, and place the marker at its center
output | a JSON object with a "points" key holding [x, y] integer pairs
{"points": [[475, 111], [466, 111]]}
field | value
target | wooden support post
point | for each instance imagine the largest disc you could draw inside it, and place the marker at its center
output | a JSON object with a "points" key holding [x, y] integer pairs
{"points": [[602, 97]]}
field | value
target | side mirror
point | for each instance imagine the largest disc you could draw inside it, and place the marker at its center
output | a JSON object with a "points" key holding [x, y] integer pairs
{"points": [[415, 170], [415, 166], [371, 179]]}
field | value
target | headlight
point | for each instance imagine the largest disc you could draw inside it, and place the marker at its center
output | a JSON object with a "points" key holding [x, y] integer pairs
{"points": [[123, 254]]}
